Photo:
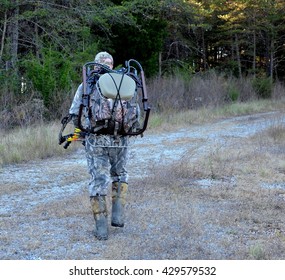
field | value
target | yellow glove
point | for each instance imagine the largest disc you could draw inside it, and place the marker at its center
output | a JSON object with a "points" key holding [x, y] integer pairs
{"points": [[75, 136]]}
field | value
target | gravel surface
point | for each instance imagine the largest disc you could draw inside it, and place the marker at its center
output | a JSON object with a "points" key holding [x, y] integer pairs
{"points": [[45, 213]]}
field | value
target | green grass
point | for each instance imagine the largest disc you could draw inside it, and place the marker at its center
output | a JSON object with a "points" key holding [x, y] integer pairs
{"points": [[236, 109]]}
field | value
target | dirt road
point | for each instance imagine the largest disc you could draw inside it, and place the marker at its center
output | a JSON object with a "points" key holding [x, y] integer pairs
{"points": [[45, 212]]}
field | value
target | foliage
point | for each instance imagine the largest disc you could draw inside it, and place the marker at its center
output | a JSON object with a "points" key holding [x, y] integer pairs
{"points": [[131, 46], [263, 87], [45, 43], [233, 94], [51, 75]]}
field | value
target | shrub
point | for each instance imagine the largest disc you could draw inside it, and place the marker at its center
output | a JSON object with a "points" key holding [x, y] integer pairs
{"points": [[233, 94], [263, 87], [52, 74], [25, 114]]}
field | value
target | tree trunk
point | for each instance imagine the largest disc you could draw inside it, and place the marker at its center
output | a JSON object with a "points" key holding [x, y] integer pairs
{"points": [[238, 55], [37, 44], [271, 60], [13, 34], [204, 50], [3, 35], [159, 64], [254, 54]]}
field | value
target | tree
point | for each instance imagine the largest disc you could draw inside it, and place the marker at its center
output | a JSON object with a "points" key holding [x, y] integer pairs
{"points": [[273, 31], [36, 32], [142, 36]]}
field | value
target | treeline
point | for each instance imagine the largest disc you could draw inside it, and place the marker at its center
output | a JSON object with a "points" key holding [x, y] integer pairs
{"points": [[44, 44]]}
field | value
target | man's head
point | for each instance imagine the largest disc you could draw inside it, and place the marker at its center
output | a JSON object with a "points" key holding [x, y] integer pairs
{"points": [[105, 59]]}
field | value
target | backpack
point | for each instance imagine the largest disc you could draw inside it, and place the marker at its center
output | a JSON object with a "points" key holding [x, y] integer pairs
{"points": [[112, 100]]}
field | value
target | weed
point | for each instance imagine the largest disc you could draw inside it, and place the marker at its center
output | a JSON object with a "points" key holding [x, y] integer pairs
{"points": [[256, 252], [263, 86]]}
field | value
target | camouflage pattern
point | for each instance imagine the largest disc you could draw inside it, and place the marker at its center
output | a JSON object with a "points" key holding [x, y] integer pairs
{"points": [[99, 58], [98, 205], [106, 154], [102, 56], [100, 106], [119, 191], [106, 158]]}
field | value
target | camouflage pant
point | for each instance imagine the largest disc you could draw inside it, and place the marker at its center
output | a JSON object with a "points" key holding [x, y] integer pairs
{"points": [[106, 160]]}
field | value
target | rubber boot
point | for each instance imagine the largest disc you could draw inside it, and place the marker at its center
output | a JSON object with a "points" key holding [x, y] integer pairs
{"points": [[99, 208], [119, 194]]}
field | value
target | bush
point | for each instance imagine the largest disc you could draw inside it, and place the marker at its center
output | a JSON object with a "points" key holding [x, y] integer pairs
{"points": [[25, 114], [176, 93], [263, 87], [53, 74], [234, 94]]}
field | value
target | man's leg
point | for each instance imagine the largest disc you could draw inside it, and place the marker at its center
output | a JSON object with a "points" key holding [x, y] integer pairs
{"points": [[118, 160], [98, 165]]}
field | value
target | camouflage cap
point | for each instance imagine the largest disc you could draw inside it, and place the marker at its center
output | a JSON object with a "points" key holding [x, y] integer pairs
{"points": [[101, 56]]}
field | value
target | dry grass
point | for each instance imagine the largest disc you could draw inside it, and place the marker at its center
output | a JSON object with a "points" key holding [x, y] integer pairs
{"points": [[241, 192], [30, 143], [233, 198], [168, 120]]}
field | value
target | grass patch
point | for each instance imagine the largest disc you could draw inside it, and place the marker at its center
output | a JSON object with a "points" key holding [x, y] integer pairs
{"points": [[252, 107], [30, 143], [176, 119], [229, 205]]}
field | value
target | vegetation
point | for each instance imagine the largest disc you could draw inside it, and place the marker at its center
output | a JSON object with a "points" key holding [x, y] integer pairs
{"points": [[197, 54], [45, 43], [204, 60]]}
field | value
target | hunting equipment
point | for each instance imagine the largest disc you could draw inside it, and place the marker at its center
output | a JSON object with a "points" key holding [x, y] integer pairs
{"points": [[111, 102]]}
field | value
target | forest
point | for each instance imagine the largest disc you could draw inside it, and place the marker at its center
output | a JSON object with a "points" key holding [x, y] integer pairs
{"points": [[45, 43]]}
